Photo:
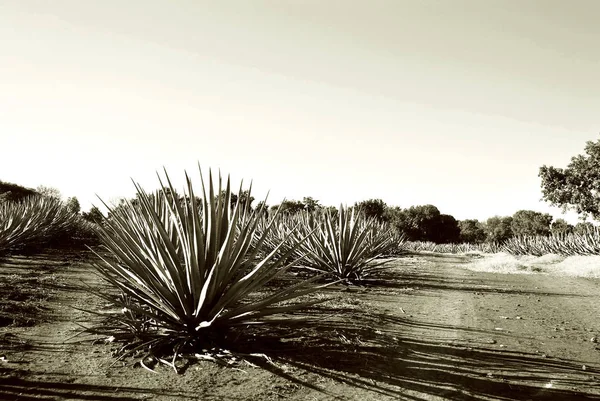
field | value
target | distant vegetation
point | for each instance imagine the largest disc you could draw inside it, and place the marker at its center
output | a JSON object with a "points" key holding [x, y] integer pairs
{"points": [[575, 187], [34, 220]]}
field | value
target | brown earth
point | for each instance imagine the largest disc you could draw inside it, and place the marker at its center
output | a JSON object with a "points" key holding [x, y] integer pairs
{"points": [[426, 329]]}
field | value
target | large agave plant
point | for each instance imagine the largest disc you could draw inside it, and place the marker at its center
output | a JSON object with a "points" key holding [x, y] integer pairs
{"points": [[346, 248], [188, 272], [34, 220]]}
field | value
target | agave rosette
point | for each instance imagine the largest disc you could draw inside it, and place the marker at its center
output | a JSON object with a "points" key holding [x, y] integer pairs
{"points": [[346, 248], [188, 271]]}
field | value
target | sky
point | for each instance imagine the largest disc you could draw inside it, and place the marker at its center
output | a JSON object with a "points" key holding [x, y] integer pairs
{"points": [[453, 103]]}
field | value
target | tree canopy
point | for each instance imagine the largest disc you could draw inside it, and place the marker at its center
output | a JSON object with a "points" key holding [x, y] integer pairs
{"points": [[576, 187]]}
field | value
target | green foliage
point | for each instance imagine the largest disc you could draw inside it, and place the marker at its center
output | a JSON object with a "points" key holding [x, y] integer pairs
{"points": [[498, 229], [576, 186], [373, 208], [471, 231], [190, 271], [529, 222]]}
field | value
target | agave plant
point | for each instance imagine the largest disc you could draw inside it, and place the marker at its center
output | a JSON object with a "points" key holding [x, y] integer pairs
{"points": [[34, 220], [346, 248], [567, 244], [428, 246], [189, 272]]}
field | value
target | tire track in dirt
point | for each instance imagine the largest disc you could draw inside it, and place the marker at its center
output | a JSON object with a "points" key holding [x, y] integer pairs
{"points": [[522, 330]]}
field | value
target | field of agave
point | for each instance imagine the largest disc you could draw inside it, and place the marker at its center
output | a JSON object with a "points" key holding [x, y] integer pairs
{"points": [[185, 273], [426, 246], [566, 244], [38, 221]]}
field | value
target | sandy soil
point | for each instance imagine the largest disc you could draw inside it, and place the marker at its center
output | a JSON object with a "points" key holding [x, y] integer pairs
{"points": [[427, 329]]}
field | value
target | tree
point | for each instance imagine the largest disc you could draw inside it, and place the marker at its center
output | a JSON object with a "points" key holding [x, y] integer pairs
{"points": [[560, 226], [13, 192], [529, 222], [262, 208], [471, 231], [72, 205], [311, 204], [374, 208], [583, 228], [245, 198], [446, 230], [289, 207], [498, 229], [426, 223], [48, 192], [94, 215], [576, 187]]}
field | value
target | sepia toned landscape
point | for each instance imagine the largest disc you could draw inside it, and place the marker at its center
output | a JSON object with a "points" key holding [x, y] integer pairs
{"points": [[299, 200]]}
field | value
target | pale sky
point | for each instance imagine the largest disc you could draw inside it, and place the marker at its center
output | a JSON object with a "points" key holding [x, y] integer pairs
{"points": [[453, 103]]}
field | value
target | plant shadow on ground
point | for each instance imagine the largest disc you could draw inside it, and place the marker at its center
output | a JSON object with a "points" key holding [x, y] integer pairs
{"points": [[415, 368], [16, 386], [435, 282]]}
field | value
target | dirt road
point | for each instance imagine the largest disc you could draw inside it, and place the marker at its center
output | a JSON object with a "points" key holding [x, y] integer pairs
{"points": [[427, 329]]}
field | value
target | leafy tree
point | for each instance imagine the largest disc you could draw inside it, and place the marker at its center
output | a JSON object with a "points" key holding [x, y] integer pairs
{"points": [[48, 192], [332, 210], [576, 187], [289, 206], [529, 222], [94, 215], [560, 226], [245, 198], [373, 208], [447, 230], [583, 227], [72, 205], [471, 231], [262, 207], [426, 223], [498, 229], [311, 204], [13, 192]]}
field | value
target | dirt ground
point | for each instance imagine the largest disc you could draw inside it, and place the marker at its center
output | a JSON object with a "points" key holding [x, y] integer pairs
{"points": [[426, 329]]}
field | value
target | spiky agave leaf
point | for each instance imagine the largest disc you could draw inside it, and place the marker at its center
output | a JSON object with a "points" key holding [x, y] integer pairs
{"points": [[190, 269], [345, 248]]}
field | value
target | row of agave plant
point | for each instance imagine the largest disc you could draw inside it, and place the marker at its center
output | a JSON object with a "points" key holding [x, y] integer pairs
{"points": [[567, 244], [33, 222], [428, 246], [187, 274]]}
